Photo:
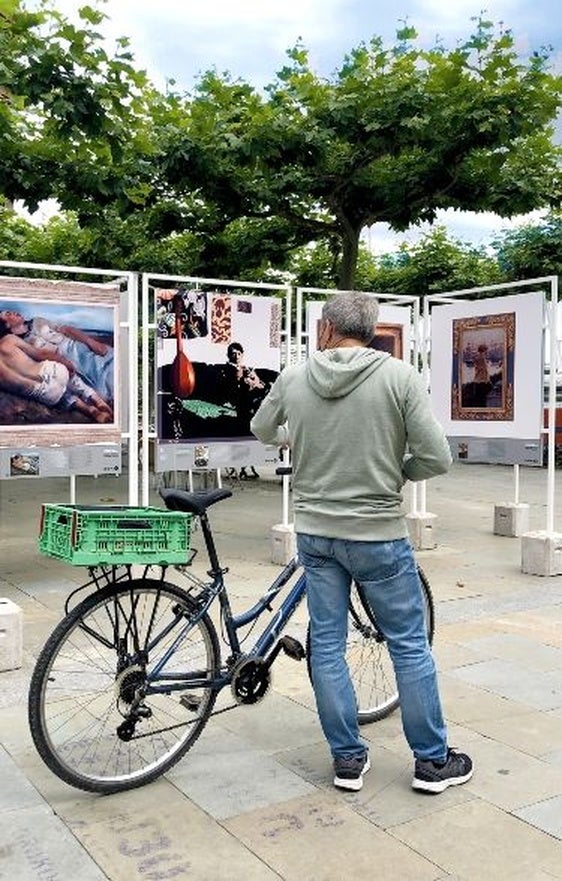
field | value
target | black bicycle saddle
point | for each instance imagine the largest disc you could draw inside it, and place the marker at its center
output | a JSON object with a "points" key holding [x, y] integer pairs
{"points": [[193, 503]]}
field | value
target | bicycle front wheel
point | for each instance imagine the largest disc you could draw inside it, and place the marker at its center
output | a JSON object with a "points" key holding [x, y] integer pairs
{"points": [[368, 658], [93, 718]]}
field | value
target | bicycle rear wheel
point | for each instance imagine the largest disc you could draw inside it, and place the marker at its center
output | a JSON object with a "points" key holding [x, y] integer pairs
{"points": [[89, 719], [368, 658]]}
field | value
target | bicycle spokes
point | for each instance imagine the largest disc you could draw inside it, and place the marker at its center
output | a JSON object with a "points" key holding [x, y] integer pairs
{"points": [[100, 716]]}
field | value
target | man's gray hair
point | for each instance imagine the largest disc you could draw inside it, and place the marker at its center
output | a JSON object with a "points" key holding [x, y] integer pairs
{"points": [[352, 314]]}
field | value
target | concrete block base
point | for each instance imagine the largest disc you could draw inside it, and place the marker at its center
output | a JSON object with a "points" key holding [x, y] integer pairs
{"points": [[541, 553], [11, 635], [422, 531], [511, 519], [283, 544]]}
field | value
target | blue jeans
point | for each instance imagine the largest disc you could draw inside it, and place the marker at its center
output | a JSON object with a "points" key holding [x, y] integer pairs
{"points": [[386, 570]]}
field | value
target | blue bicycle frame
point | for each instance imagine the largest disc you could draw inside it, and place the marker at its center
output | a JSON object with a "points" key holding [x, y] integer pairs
{"points": [[263, 646]]}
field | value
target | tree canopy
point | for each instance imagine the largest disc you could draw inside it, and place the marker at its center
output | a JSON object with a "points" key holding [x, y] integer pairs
{"points": [[396, 134], [72, 115], [533, 250], [243, 177]]}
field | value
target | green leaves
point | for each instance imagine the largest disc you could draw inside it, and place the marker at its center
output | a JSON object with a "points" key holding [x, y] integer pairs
{"points": [[533, 250], [395, 134], [70, 109], [91, 15]]}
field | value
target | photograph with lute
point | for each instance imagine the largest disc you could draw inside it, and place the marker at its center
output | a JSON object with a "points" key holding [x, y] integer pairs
{"points": [[217, 356]]}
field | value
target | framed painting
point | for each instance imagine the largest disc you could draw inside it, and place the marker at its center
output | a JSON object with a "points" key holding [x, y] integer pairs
{"points": [[483, 356], [389, 338], [58, 375]]}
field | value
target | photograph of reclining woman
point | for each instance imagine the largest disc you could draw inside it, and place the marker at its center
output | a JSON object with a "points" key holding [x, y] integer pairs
{"points": [[57, 365]]}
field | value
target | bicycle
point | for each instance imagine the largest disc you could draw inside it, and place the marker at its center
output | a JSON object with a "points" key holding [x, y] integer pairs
{"points": [[128, 679]]}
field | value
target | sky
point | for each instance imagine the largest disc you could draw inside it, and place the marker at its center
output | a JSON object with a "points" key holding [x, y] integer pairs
{"points": [[179, 39], [84, 316]]}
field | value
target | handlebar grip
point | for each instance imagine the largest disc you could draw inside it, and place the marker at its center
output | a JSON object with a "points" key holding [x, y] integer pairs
{"points": [[282, 470]]}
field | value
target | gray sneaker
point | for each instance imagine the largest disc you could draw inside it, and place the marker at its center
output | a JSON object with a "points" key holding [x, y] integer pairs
{"points": [[432, 777], [349, 772]]}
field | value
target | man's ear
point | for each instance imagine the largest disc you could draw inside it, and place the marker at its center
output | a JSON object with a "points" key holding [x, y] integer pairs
{"points": [[326, 331]]}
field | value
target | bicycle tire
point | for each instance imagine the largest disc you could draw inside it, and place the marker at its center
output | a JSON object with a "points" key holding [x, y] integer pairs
{"points": [[367, 656], [87, 676]]}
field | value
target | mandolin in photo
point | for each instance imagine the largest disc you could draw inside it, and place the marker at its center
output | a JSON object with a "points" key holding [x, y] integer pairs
{"points": [[182, 374]]}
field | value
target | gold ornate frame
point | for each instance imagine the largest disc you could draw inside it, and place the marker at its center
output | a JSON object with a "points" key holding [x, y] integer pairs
{"points": [[477, 401]]}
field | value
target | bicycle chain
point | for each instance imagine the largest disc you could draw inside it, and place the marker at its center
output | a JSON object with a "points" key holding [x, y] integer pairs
{"points": [[182, 724]]}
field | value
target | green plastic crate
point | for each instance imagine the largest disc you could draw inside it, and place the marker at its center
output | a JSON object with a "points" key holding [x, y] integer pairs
{"points": [[94, 536]]}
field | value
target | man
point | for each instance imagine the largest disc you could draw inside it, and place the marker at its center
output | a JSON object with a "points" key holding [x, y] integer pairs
{"points": [[241, 385], [359, 425]]}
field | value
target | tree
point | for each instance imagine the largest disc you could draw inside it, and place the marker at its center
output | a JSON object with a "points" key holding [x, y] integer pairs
{"points": [[129, 243], [72, 116], [436, 264], [395, 135], [242, 178], [533, 250]]}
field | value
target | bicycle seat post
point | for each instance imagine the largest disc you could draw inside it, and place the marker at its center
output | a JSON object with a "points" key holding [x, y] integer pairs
{"points": [[216, 569]]}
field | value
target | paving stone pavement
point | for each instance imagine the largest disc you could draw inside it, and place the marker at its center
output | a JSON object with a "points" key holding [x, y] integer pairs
{"points": [[253, 799]]}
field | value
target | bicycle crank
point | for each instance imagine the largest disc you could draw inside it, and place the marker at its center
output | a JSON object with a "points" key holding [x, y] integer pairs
{"points": [[251, 679]]}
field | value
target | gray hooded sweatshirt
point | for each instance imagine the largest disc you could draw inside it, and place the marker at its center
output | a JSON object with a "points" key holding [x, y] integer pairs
{"points": [[359, 425]]}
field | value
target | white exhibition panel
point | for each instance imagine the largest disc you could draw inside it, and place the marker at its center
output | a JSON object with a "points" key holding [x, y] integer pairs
{"points": [[527, 366], [398, 315], [48, 445], [228, 342]]}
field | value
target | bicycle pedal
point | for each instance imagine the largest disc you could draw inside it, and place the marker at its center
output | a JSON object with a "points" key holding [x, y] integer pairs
{"points": [[190, 702], [293, 648]]}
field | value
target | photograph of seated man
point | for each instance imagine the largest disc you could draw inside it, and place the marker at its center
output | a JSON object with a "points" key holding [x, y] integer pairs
{"points": [[227, 371]]}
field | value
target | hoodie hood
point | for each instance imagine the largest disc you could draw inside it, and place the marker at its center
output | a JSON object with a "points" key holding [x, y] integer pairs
{"points": [[334, 373]]}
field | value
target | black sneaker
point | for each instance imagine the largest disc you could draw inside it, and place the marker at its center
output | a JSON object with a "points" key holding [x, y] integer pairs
{"points": [[349, 772], [432, 777]]}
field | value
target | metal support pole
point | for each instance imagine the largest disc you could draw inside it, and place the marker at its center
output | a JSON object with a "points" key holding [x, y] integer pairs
{"points": [[133, 416], [145, 409], [551, 468], [299, 326], [286, 460]]}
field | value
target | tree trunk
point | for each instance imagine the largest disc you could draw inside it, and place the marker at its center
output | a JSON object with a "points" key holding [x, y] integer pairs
{"points": [[350, 252]]}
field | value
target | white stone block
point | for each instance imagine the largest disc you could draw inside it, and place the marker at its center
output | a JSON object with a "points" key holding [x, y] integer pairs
{"points": [[283, 544], [422, 531], [541, 553], [11, 635], [511, 519]]}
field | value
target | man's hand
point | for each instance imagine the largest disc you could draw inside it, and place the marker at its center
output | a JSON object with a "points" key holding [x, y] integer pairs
{"points": [[252, 380]]}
